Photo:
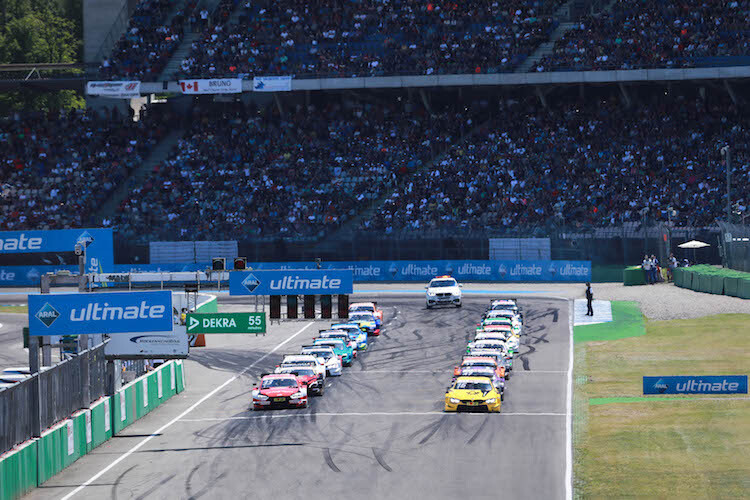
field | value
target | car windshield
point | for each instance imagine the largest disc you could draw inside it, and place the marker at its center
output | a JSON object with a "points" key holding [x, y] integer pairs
{"points": [[361, 317], [334, 335], [476, 370], [473, 385], [278, 382], [442, 283], [362, 308], [298, 362], [320, 354], [480, 364], [302, 372], [336, 344]]}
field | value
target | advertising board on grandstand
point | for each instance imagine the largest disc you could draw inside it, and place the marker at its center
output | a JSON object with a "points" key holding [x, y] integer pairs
{"points": [[84, 313], [114, 90], [212, 86], [170, 344], [272, 84], [26, 255], [291, 282]]}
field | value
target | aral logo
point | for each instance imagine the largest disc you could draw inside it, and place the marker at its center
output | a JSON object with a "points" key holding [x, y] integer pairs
{"points": [[661, 386], [251, 283], [47, 315], [85, 239]]}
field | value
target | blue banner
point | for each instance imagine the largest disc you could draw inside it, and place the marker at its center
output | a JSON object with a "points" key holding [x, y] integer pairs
{"points": [[291, 282], [419, 270], [706, 384], [33, 253], [84, 313]]}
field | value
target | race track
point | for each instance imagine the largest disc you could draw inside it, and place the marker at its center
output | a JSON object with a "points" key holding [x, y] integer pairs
{"points": [[378, 432]]}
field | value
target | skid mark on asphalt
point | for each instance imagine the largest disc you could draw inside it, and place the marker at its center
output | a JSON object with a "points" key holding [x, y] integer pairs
{"points": [[479, 430], [117, 482], [329, 460], [381, 461], [158, 485]]}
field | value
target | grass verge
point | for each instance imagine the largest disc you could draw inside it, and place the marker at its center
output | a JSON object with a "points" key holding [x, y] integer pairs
{"points": [[626, 445], [14, 309]]}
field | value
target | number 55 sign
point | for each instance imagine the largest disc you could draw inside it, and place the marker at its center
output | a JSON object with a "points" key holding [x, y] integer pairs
{"points": [[225, 323]]}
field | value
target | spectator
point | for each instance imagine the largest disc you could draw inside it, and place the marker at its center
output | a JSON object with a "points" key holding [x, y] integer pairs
{"points": [[646, 266]]}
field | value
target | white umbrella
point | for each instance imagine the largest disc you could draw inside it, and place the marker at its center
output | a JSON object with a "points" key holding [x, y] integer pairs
{"points": [[693, 244]]}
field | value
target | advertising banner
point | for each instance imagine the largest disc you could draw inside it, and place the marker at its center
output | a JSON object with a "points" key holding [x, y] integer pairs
{"points": [[291, 282], [114, 90], [272, 84], [171, 344], [419, 270], [698, 384], [85, 313], [249, 322], [212, 86], [26, 255]]}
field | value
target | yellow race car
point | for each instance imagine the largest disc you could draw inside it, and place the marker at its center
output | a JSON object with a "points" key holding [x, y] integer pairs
{"points": [[473, 394]]}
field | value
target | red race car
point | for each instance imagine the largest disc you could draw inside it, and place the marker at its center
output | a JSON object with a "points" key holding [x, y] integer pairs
{"points": [[279, 390], [306, 376]]}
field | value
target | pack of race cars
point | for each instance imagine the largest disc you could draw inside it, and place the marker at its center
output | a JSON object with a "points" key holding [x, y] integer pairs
{"points": [[479, 382], [303, 374]]}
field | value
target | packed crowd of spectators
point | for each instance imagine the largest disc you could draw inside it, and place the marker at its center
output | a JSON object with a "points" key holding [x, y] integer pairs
{"points": [[251, 174], [660, 34], [371, 38], [57, 170], [149, 40], [580, 165]]}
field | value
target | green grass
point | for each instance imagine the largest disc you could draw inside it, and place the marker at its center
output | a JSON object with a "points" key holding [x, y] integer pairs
{"points": [[627, 321], [14, 309], [628, 445]]}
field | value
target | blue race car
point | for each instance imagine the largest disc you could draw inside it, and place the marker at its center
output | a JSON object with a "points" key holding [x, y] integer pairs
{"points": [[355, 333]]}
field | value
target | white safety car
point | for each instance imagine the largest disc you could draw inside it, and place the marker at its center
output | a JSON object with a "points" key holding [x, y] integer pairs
{"points": [[443, 291]]}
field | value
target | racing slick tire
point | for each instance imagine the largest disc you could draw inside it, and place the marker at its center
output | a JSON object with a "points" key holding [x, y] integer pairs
{"points": [[459, 305], [429, 306], [347, 363], [321, 391]]}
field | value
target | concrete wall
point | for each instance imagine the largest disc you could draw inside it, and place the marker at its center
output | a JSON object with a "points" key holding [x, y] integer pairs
{"points": [[99, 18]]}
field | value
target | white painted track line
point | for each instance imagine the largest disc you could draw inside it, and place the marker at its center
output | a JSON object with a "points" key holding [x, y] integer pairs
{"points": [[180, 416], [369, 414], [569, 413]]}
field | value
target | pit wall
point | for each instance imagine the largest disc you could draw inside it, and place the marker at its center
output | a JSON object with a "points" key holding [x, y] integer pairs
{"points": [[36, 461]]}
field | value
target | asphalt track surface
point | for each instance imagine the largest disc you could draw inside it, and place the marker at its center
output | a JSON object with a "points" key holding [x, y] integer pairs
{"points": [[379, 430]]}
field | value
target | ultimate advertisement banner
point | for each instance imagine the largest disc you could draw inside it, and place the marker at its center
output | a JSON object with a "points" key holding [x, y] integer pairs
{"points": [[574, 271], [291, 282], [85, 313], [26, 255], [698, 384]]}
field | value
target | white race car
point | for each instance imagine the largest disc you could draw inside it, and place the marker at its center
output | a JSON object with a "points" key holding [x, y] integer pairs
{"points": [[304, 361], [332, 362], [443, 291]]}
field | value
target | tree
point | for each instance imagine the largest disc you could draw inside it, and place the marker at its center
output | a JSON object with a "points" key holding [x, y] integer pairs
{"points": [[40, 31]]}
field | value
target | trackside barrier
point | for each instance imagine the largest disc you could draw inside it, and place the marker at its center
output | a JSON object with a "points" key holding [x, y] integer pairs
{"points": [[18, 471], [37, 460], [718, 281]]}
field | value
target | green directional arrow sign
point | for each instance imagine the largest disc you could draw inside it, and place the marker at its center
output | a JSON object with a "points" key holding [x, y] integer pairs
{"points": [[252, 322]]}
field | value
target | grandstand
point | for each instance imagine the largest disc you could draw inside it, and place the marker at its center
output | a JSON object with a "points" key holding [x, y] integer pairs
{"points": [[313, 167]]}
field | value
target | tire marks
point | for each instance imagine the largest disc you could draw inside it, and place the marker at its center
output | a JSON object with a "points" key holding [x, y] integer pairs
{"points": [[329, 460]]}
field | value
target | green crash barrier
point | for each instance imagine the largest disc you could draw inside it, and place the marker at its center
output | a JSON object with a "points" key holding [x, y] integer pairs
{"points": [[60, 446], [101, 422], [743, 288], [717, 284], [18, 471], [633, 275]]}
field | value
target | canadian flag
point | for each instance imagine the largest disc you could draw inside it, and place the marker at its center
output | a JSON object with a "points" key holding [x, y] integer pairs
{"points": [[189, 87]]}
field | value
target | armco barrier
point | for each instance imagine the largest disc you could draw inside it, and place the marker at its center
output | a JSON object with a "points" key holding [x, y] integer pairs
{"points": [[18, 471], [37, 461]]}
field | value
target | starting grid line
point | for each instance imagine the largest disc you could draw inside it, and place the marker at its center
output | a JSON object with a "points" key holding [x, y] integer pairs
{"points": [[370, 414]]}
